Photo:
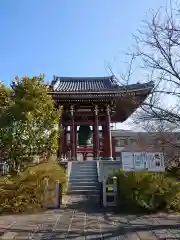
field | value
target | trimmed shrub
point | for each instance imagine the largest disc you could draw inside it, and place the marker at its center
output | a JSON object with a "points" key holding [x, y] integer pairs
{"points": [[32, 189], [147, 192], [173, 172]]}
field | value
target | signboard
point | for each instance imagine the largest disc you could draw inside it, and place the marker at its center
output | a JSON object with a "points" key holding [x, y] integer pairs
{"points": [[127, 161], [134, 161]]}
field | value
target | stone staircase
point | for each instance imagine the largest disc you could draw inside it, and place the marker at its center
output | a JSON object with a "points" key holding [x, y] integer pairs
{"points": [[83, 178]]}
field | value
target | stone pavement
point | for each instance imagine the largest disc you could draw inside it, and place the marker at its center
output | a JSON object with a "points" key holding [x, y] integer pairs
{"points": [[84, 219]]}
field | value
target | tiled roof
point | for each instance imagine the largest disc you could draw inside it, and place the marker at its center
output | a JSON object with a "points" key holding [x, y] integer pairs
{"points": [[90, 84]]}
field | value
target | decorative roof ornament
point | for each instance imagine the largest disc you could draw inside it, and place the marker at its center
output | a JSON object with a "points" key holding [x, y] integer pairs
{"points": [[108, 109], [96, 110], [72, 110]]}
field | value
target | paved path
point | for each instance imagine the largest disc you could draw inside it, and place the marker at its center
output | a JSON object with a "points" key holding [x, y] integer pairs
{"points": [[83, 219]]}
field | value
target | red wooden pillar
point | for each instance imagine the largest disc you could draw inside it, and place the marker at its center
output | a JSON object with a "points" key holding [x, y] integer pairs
{"points": [[65, 142], [62, 142], [75, 141], [59, 151], [114, 148], [73, 152], [59, 140], [96, 134], [103, 140], [109, 138]]}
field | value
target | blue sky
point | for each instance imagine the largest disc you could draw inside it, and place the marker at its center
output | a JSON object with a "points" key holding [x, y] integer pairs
{"points": [[67, 37]]}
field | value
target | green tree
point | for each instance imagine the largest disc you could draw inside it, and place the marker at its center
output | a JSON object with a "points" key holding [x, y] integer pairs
{"points": [[28, 121]]}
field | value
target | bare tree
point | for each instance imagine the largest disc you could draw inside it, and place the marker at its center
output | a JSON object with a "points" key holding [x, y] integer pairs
{"points": [[163, 137], [158, 51], [124, 78]]}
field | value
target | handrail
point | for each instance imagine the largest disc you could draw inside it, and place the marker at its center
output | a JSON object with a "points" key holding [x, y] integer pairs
{"points": [[98, 170], [69, 168]]}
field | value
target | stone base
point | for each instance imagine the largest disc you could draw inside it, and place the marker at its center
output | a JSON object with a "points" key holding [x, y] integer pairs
{"points": [[109, 158]]}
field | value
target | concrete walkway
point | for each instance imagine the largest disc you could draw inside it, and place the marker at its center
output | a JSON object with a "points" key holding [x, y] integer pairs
{"points": [[84, 219]]}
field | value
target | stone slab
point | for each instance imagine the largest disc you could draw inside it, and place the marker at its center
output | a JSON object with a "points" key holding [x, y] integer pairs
{"points": [[84, 219], [9, 236]]}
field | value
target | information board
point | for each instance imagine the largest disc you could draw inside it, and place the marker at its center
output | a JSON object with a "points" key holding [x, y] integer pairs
{"points": [[134, 161]]}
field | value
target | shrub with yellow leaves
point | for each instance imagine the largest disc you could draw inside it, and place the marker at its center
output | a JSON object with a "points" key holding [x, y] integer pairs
{"points": [[32, 189]]}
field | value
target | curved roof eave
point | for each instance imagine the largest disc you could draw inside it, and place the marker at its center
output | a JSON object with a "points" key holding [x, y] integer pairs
{"points": [[93, 85]]}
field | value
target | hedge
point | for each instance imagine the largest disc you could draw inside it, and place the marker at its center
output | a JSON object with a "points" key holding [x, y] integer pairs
{"points": [[147, 192]]}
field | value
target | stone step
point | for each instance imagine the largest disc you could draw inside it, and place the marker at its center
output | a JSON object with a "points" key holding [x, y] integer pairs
{"points": [[84, 165], [83, 192], [85, 162], [81, 185], [84, 178], [80, 179], [84, 170], [85, 185], [82, 188], [84, 173], [83, 182], [74, 186]]}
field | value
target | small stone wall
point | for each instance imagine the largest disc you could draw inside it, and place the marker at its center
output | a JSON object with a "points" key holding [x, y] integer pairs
{"points": [[106, 168]]}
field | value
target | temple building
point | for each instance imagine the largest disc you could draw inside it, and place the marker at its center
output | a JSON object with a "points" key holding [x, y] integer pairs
{"points": [[95, 102]]}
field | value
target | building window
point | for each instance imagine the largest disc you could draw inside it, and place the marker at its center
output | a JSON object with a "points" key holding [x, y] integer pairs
{"points": [[122, 142], [118, 143], [132, 141], [126, 141]]}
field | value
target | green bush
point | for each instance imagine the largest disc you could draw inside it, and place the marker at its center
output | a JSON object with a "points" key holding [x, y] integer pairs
{"points": [[29, 191], [173, 172], [149, 192]]}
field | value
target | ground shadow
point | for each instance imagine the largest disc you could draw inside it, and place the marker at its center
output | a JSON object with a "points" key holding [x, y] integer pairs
{"points": [[89, 205], [49, 233]]}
